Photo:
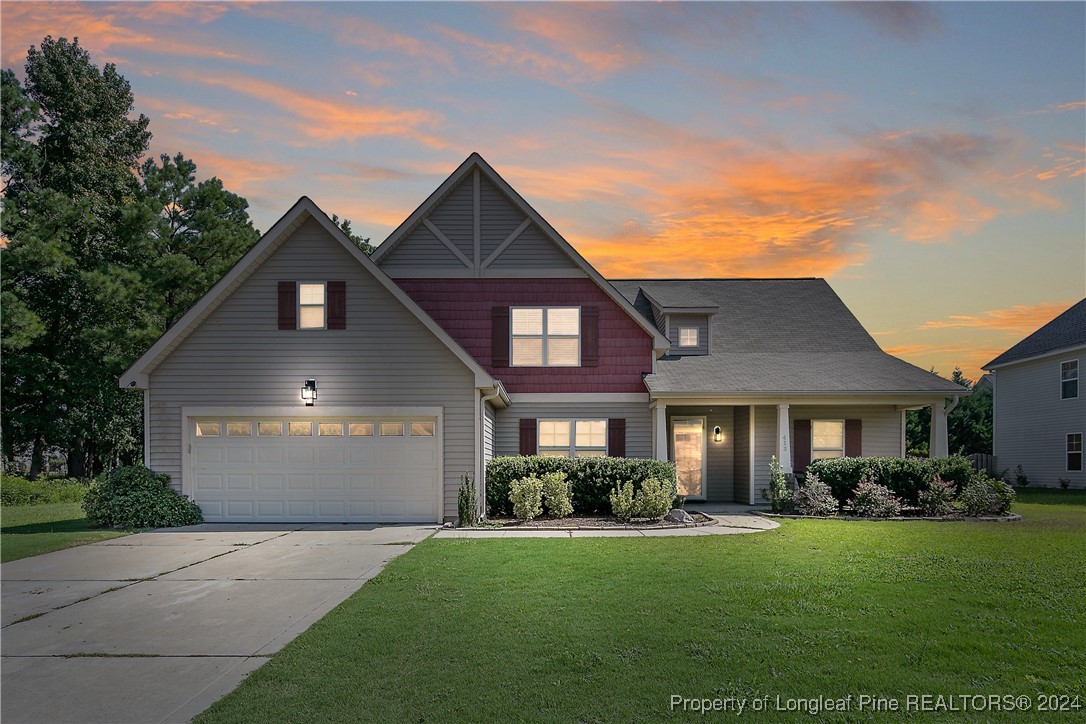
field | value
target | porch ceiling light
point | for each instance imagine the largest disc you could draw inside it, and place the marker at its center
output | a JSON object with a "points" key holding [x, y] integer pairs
{"points": [[718, 435], [309, 392]]}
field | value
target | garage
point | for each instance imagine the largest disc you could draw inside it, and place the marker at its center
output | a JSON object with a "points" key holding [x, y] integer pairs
{"points": [[301, 468]]}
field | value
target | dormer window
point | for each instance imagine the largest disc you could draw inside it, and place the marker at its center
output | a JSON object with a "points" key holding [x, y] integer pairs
{"points": [[688, 336]]}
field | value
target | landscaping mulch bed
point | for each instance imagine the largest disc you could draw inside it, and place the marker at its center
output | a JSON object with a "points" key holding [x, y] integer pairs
{"points": [[596, 522]]}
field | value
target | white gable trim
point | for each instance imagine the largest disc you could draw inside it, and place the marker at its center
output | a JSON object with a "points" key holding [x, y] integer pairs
{"points": [[1041, 355], [137, 376], [475, 161]]}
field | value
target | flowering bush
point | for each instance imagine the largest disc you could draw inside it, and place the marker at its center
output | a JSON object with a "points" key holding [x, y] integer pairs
{"points": [[986, 496], [937, 498], [872, 500], [814, 497]]}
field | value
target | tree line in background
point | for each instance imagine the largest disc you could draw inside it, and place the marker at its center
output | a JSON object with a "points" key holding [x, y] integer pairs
{"points": [[969, 426], [105, 249]]}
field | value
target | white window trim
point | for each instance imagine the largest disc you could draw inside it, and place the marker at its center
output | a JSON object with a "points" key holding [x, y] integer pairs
{"points": [[573, 447], [697, 336], [299, 305], [544, 336], [1066, 452], [843, 442], [704, 420], [1077, 378]]}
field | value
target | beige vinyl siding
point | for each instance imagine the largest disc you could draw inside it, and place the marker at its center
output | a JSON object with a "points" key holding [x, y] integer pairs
{"points": [[455, 217], [421, 249], [741, 448], [385, 358], [881, 431], [697, 321], [720, 455], [533, 250], [637, 416], [488, 433], [1032, 421], [500, 217]]}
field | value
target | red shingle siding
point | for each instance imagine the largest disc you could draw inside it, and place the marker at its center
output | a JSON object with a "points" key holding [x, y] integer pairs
{"points": [[464, 308]]}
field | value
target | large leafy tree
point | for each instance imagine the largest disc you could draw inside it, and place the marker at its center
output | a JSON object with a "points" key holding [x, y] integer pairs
{"points": [[94, 238], [969, 426]]}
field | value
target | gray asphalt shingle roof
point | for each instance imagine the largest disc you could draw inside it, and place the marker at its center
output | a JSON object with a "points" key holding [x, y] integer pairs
{"points": [[776, 335], [1066, 330]]}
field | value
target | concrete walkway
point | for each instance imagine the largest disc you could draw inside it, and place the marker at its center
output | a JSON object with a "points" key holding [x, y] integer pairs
{"points": [[156, 627], [724, 525]]}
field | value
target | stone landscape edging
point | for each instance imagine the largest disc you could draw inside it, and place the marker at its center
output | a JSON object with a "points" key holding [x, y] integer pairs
{"points": [[670, 526], [1009, 518]]}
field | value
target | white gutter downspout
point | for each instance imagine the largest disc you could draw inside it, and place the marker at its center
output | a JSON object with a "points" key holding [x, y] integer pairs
{"points": [[480, 469], [957, 399]]}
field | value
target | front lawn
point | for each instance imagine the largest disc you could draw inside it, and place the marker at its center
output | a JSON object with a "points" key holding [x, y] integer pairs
{"points": [[29, 530], [610, 629]]}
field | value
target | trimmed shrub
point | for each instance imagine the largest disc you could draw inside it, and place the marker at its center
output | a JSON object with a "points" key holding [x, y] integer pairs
{"points": [[527, 498], [655, 498], [872, 500], [777, 493], [623, 505], [1020, 477], [20, 491], [906, 477], [557, 495], [135, 497], [591, 479], [986, 496], [937, 498], [814, 498], [466, 507]]}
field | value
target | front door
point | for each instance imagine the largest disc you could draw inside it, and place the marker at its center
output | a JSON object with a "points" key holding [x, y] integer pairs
{"points": [[688, 444]]}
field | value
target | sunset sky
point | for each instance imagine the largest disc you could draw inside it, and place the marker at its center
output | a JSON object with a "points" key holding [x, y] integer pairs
{"points": [[928, 160]]}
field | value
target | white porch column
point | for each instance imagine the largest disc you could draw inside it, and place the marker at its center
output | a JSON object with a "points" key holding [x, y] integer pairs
{"points": [[938, 444], [660, 426], [784, 439]]}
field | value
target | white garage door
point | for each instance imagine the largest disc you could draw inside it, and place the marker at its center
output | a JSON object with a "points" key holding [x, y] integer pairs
{"points": [[247, 469]]}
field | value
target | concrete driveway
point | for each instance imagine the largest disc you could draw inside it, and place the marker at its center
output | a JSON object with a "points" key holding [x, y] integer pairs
{"points": [[158, 626]]}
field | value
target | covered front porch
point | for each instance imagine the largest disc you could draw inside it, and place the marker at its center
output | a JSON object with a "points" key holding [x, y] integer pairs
{"points": [[722, 447]]}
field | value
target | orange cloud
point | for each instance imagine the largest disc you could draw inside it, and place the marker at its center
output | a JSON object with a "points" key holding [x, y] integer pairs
{"points": [[328, 119], [1021, 318], [242, 176], [532, 64], [101, 29]]}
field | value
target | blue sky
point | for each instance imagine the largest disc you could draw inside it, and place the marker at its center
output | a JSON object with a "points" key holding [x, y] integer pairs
{"points": [[928, 159]]}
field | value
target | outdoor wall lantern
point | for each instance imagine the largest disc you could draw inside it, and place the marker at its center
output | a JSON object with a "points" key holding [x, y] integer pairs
{"points": [[718, 436], [309, 392]]}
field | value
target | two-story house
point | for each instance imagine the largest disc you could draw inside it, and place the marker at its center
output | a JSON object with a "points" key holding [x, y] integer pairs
{"points": [[314, 383], [1039, 403]]}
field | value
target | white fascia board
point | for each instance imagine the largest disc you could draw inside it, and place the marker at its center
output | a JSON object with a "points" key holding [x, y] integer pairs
{"points": [[301, 410], [137, 375], [901, 399], [1061, 350], [660, 343], [578, 397]]}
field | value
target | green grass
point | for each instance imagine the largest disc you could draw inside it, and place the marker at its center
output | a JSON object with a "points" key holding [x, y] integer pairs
{"points": [[29, 530], [608, 629]]}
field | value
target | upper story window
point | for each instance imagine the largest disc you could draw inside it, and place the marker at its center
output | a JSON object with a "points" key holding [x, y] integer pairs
{"points": [[545, 336], [573, 438], [688, 336], [311, 305], [1069, 380], [1074, 452], [827, 439]]}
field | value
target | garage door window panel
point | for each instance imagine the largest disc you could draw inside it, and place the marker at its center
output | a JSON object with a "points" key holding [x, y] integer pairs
{"points": [[269, 429], [300, 429], [239, 429], [208, 429], [422, 429], [391, 429], [361, 429]]}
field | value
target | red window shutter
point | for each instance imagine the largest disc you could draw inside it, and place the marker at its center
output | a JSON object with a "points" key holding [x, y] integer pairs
{"points": [[854, 438], [801, 445], [527, 436], [288, 305], [499, 339], [337, 305], [616, 437], [590, 336]]}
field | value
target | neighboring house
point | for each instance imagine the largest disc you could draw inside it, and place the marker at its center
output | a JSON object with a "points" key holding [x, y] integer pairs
{"points": [[1039, 408], [315, 383]]}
